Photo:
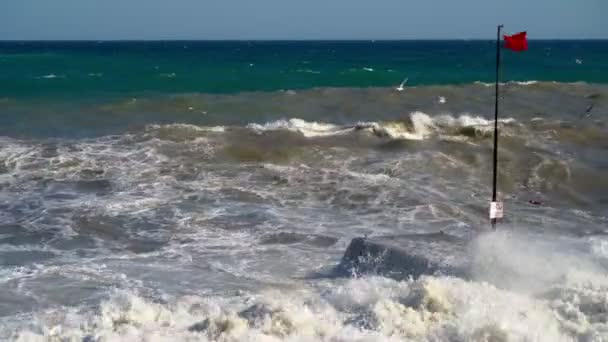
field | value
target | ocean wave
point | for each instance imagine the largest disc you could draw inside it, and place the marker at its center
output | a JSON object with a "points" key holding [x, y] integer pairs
{"points": [[307, 129], [420, 126], [572, 85], [186, 127], [308, 71], [523, 83], [51, 76], [164, 190], [363, 309], [565, 303]]}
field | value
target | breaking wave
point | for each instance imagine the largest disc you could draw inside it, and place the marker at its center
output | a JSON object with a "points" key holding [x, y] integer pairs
{"points": [[525, 298], [51, 76], [362, 309], [419, 126], [522, 83], [307, 129]]}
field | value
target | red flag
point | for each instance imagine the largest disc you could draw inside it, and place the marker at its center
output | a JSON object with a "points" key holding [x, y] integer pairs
{"points": [[517, 42]]}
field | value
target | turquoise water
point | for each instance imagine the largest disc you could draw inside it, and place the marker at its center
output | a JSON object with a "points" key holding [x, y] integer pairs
{"points": [[84, 68]]}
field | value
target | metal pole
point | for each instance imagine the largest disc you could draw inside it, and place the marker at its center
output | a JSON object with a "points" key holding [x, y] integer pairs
{"points": [[495, 175]]}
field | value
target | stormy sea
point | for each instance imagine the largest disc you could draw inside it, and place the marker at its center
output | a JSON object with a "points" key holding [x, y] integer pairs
{"points": [[207, 191]]}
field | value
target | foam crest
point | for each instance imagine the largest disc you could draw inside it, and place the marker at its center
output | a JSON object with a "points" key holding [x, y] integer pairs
{"points": [[522, 83], [364, 309], [51, 76], [189, 127], [468, 121], [423, 126], [420, 126], [307, 129]]}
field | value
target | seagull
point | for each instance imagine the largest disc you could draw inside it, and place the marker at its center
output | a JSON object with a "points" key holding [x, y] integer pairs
{"points": [[588, 110], [400, 87], [579, 61], [441, 99]]}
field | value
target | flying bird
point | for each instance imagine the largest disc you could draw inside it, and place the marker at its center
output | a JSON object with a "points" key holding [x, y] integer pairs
{"points": [[400, 87]]}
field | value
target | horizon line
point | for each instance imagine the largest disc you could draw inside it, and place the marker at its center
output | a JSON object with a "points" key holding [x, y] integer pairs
{"points": [[287, 40]]}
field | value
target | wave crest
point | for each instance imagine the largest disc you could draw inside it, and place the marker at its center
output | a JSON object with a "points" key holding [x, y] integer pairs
{"points": [[418, 126], [378, 308], [307, 129]]}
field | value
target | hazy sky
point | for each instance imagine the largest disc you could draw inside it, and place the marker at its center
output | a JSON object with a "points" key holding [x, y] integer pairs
{"points": [[301, 19]]}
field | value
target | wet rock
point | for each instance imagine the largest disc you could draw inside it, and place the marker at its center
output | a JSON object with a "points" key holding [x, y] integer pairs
{"points": [[405, 256]]}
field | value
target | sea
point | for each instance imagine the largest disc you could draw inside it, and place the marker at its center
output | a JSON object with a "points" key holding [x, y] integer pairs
{"points": [[207, 191]]}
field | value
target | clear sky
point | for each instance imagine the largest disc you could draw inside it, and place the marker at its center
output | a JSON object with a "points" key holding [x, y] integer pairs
{"points": [[299, 19]]}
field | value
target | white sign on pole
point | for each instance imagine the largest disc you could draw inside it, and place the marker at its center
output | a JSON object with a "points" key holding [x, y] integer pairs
{"points": [[496, 210]]}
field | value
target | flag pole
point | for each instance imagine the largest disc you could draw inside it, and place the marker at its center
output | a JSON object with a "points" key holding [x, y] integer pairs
{"points": [[495, 174]]}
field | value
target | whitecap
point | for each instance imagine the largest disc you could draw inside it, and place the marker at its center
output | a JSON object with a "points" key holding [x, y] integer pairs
{"points": [[524, 83], [308, 71], [421, 126], [307, 129], [51, 76], [361, 309]]}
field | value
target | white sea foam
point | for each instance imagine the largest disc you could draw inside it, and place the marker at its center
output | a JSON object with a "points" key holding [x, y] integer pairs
{"points": [[422, 126], [515, 294], [468, 121], [215, 129], [307, 129], [308, 71], [364, 309], [52, 76], [524, 83]]}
